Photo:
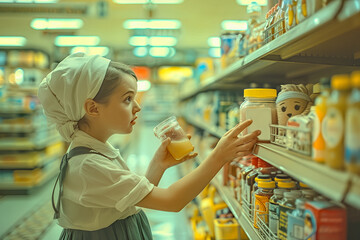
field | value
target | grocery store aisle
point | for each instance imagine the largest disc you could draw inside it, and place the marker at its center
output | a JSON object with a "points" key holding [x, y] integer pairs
{"points": [[30, 216]]}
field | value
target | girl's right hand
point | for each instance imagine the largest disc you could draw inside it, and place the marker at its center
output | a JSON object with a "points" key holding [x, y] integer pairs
{"points": [[231, 146]]}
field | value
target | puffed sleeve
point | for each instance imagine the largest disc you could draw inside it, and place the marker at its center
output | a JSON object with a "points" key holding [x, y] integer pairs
{"points": [[106, 184]]}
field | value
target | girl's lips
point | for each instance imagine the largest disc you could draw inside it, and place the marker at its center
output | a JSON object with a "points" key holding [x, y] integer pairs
{"points": [[133, 121]]}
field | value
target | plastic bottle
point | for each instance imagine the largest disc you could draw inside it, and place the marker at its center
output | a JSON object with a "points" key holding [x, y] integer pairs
{"points": [[318, 144], [274, 211], [334, 121], [262, 197], [295, 229], [290, 14], [244, 172], [287, 205], [352, 127]]}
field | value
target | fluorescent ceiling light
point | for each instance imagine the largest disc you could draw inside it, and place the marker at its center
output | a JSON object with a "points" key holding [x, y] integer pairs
{"points": [[152, 24], [12, 41], [234, 25], [102, 51], [160, 51], [56, 23], [143, 85], [162, 41], [214, 42], [140, 51], [138, 40], [147, 1], [247, 2], [77, 40], [215, 52], [28, 1]]}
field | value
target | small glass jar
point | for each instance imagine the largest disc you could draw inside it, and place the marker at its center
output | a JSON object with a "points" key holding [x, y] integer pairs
{"points": [[180, 145], [259, 105]]}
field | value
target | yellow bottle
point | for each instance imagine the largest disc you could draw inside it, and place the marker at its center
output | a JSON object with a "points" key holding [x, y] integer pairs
{"points": [[334, 122], [318, 144], [352, 127]]}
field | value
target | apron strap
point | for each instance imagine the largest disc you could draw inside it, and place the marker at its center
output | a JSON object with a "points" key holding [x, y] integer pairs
{"points": [[63, 167]]}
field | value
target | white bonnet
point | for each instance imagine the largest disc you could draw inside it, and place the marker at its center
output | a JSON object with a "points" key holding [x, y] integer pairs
{"points": [[64, 90]]}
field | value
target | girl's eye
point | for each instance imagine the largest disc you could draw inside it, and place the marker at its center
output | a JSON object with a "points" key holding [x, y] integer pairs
{"points": [[297, 107], [128, 99], [283, 109]]}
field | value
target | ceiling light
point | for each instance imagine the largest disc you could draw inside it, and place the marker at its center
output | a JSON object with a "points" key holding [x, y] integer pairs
{"points": [[138, 40], [102, 51], [77, 40], [56, 23], [147, 1], [214, 42], [140, 51], [163, 41], [234, 25], [247, 2], [215, 52], [12, 41], [143, 85], [152, 24], [159, 51]]}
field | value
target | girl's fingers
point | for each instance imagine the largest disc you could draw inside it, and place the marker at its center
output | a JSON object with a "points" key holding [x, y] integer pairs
{"points": [[248, 137], [239, 128], [247, 146], [243, 154], [188, 157], [166, 142]]}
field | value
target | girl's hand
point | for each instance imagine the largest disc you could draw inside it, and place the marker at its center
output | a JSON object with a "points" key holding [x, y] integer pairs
{"points": [[165, 159], [231, 146]]}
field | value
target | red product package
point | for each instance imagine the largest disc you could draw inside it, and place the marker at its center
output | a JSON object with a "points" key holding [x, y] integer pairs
{"points": [[324, 220]]}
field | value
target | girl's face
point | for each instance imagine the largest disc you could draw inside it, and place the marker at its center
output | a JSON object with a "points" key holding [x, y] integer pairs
{"points": [[119, 114]]}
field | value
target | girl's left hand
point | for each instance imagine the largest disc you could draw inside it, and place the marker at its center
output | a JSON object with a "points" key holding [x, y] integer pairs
{"points": [[165, 159]]}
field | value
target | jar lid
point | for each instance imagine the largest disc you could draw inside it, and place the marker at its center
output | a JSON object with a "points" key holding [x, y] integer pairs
{"points": [[308, 192], [282, 178], [260, 92], [340, 82], [270, 184], [303, 185], [263, 177], [290, 195], [297, 192], [355, 79], [286, 184], [279, 191]]}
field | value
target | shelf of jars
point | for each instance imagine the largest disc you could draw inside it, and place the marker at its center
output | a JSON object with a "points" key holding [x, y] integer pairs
{"points": [[334, 184], [324, 44], [237, 211]]}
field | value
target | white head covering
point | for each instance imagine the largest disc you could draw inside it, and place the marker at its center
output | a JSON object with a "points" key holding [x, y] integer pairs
{"points": [[64, 90]]}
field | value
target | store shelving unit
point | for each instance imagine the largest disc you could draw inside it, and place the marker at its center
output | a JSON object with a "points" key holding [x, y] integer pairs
{"points": [[305, 53], [322, 45]]}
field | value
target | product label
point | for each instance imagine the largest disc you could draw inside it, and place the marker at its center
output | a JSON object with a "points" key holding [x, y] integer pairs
{"points": [[333, 127], [283, 221], [295, 229], [352, 136], [261, 209], [316, 128], [262, 119], [274, 212]]}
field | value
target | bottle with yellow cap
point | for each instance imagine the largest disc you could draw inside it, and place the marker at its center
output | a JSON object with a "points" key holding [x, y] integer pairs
{"points": [[352, 126], [334, 122], [259, 105], [289, 185], [318, 142], [262, 197]]}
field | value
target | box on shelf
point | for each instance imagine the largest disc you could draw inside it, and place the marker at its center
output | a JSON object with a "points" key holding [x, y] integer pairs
{"points": [[226, 229]]}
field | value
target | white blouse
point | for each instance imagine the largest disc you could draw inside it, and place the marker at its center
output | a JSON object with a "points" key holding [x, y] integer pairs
{"points": [[97, 190]]}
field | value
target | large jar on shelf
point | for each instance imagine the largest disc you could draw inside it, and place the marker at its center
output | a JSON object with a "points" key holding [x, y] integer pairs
{"points": [[259, 105]]}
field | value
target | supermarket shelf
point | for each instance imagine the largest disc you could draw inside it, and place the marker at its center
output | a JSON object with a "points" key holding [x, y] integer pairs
{"points": [[321, 45], [353, 196], [215, 131], [16, 188], [329, 182], [29, 161], [22, 144], [225, 193], [17, 128]]}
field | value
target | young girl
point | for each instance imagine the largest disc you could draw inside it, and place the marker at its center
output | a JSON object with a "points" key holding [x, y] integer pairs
{"points": [[90, 98]]}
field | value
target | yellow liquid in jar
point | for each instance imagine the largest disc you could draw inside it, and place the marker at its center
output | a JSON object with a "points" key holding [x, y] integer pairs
{"points": [[179, 149]]}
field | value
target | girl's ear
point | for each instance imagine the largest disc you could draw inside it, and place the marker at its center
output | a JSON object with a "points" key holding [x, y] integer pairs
{"points": [[91, 107]]}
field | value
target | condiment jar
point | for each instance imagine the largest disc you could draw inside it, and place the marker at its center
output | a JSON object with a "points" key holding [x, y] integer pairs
{"points": [[259, 105]]}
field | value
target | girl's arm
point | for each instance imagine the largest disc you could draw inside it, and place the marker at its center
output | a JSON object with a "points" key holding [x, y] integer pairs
{"points": [[175, 197]]}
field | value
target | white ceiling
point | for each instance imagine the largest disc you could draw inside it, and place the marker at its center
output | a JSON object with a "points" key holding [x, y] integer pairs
{"points": [[200, 20]]}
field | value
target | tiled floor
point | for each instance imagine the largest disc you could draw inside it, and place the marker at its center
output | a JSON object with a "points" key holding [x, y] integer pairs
{"points": [[16, 209]]}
